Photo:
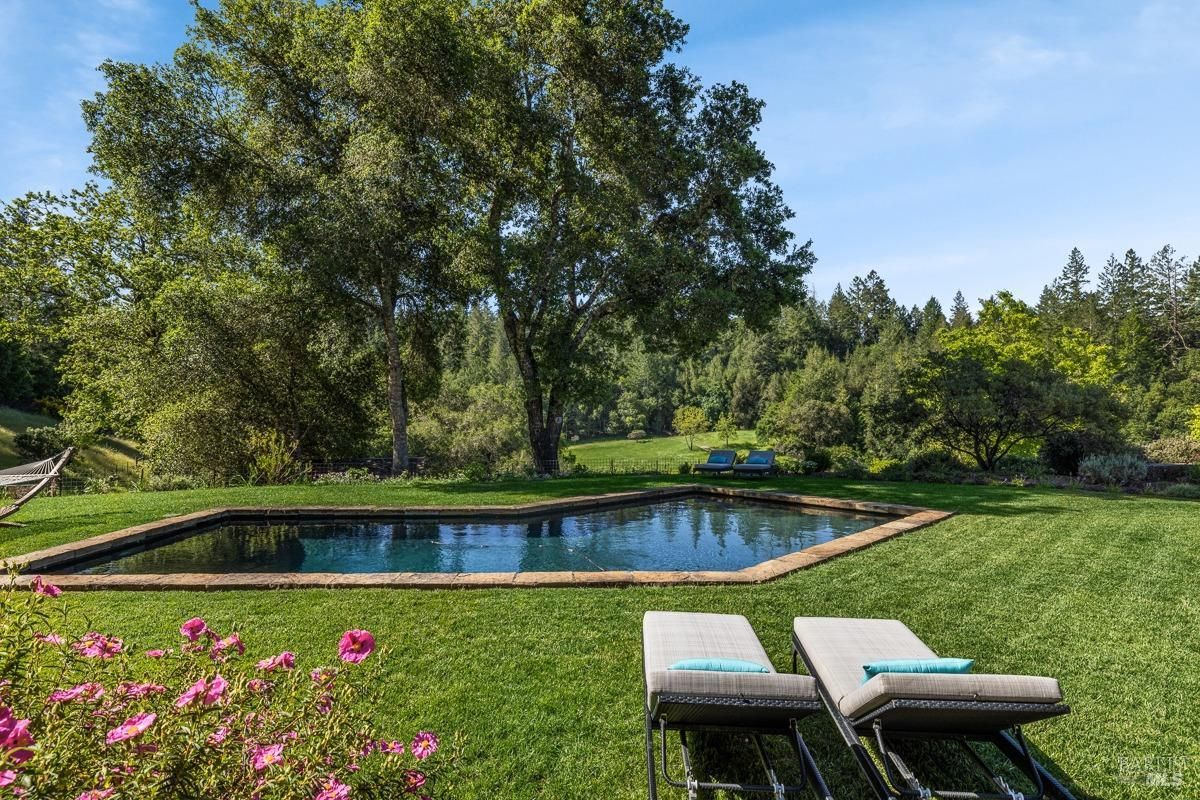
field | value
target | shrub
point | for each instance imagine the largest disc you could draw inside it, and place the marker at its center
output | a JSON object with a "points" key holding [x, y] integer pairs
{"points": [[273, 459], [1121, 469], [1023, 466], [636, 435], [1185, 491], [889, 469], [39, 443], [1174, 450], [809, 467], [788, 465], [476, 472], [351, 475], [819, 456], [103, 484], [83, 714], [844, 462], [936, 464], [1061, 452], [685, 469]]}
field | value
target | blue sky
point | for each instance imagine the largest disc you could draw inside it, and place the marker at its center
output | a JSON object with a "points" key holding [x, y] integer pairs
{"points": [[947, 145]]}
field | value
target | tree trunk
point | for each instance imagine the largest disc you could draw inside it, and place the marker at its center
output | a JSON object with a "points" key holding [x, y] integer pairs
{"points": [[543, 413], [397, 399]]}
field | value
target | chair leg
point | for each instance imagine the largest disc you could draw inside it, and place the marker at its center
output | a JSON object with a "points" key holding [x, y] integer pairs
{"points": [[652, 770]]}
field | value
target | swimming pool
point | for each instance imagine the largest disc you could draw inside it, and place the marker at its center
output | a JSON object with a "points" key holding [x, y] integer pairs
{"points": [[699, 532]]}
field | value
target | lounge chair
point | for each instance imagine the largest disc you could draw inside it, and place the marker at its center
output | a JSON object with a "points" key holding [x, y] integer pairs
{"points": [[718, 461], [749, 703], [960, 707], [759, 462]]}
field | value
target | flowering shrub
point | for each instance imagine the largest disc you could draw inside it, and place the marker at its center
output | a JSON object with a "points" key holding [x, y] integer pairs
{"points": [[84, 716]]}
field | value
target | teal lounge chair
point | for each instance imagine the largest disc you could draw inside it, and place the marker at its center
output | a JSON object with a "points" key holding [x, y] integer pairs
{"points": [[718, 461], [759, 462]]}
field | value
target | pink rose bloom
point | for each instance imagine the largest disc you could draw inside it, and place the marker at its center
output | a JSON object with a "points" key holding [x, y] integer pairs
{"points": [[96, 794], [42, 587], [7, 776], [424, 744], [333, 789], [155, 653], [194, 628], [97, 645], [284, 660], [130, 728], [266, 756], [356, 646], [88, 691], [394, 747], [48, 638]]}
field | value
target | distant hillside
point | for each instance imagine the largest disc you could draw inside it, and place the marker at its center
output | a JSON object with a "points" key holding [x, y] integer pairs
{"points": [[109, 457]]}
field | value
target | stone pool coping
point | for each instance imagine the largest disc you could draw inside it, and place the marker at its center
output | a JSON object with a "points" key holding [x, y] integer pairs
{"points": [[906, 518]]}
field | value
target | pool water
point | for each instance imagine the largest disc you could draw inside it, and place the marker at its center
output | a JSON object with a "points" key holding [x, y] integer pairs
{"points": [[691, 533]]}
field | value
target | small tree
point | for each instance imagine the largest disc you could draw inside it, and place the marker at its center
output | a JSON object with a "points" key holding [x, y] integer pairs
{"points": [[726, 427], [689, 421]]}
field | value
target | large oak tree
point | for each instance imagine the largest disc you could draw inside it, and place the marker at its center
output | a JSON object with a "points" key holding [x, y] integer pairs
{"points": [[613, 194], [273, 119]]}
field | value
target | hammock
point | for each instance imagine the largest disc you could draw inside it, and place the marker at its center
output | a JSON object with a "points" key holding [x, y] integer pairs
{"points": [[38, 475]]}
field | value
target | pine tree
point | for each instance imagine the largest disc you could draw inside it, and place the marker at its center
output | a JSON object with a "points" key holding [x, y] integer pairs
{"points": [[872, 305], [960, 312], [1067, 301], [1168, 302], [931, 318]]}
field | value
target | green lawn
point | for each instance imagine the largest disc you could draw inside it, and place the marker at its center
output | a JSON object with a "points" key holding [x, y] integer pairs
{"points": [[109, 456], [544, 685], [666, 448]]}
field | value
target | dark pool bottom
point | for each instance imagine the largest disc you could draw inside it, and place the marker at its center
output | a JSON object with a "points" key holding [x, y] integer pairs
{"points": [[689, 533]]}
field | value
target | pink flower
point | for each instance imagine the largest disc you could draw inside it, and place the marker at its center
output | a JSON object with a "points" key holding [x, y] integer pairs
{"points": [[413, 779], [322, 676], [424, 744], [130, 689], [284, 660], [216, 689], [194, 628], [333, 789], [155, 653], [87, 691], [96, 794], [218, 736], [7, 776], [394, 747], [266, 756], [130, 728], [15, 737], [42, 587], [356, 646], [231, 641], [259, 686], [48, 638], [97, 645]]}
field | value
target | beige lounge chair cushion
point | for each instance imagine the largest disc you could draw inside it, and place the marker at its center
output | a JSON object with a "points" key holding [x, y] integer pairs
{"points": [[990, 688], [839, 647], [670, 636]]}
